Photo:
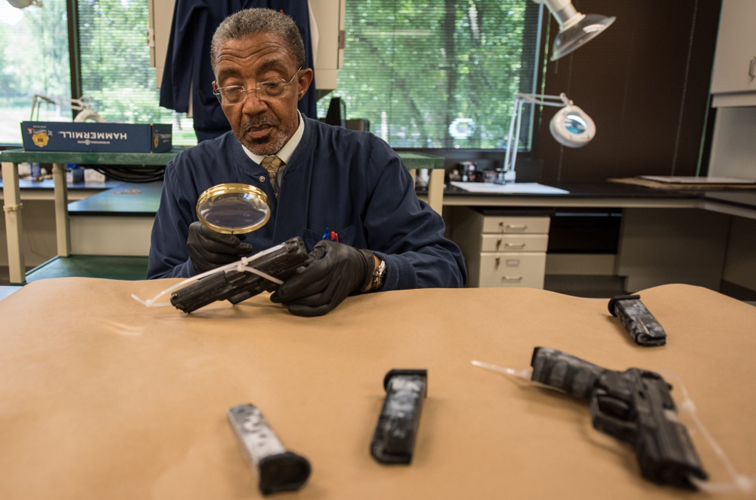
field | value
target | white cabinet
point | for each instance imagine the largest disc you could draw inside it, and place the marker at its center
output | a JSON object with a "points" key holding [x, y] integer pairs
{"points": [[733, 81], [502, 250]]}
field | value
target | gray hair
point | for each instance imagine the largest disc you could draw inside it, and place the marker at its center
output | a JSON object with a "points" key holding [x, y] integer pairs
{"points": [[251, 21]]}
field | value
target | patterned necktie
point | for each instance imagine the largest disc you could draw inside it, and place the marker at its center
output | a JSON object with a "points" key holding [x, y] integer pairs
{"points": [[271, 164]]}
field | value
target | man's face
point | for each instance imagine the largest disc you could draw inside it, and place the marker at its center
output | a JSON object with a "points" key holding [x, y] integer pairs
{"points": [[262, 124]]}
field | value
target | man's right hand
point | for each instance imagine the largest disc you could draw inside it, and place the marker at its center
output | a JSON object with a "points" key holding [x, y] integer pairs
{"points": [[209, 249]]}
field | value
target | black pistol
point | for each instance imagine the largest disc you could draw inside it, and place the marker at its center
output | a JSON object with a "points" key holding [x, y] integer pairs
{"points": [[633, 406], [235, 286], [642, 326]]}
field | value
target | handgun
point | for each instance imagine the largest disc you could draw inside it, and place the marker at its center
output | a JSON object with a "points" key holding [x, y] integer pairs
{"points": [[235, 286], [634, 406]]}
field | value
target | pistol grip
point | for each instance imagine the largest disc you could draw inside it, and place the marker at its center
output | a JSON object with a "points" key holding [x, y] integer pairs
{"points": [[612, 416]]}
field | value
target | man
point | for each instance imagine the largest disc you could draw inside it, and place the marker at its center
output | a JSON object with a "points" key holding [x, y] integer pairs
{"points": [[319, 179]]}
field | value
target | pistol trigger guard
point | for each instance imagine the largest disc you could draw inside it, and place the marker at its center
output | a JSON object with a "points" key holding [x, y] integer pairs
{"points": [[610, 424]]}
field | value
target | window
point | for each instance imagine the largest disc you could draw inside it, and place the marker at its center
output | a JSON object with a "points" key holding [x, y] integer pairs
{"points": [[115, 66], [33, 60], [439, 73], [426, 73]]}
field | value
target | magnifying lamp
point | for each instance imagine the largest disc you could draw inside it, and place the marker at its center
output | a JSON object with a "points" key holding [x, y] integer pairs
{"points": [[22, 4], [575, 29], [233, 208], [571, 126]]}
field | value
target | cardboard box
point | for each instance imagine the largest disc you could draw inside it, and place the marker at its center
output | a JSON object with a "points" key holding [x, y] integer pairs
{"points": [[97, 137]]}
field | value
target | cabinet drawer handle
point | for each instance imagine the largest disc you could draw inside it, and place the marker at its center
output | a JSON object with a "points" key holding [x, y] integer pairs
{"points": [[514, 245], [513, 227], [511, 278], [752, 68]]}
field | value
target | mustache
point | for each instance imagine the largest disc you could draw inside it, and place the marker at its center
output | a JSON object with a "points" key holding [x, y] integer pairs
{"points": [[259, 123]]}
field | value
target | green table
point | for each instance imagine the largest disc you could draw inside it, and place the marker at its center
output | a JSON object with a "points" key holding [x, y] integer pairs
{"points": [[13, 206]]}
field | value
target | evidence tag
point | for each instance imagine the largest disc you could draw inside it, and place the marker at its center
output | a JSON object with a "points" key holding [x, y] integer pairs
{"points": [[277, 469], [637, 320], [394, 438]]}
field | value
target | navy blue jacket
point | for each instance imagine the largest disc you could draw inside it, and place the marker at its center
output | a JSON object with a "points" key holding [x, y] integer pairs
{"points": [[350, 182], [187, 62]]}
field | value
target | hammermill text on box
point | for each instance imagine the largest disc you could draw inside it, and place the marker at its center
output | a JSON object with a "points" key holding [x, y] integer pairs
{"points": [[97, 137]]}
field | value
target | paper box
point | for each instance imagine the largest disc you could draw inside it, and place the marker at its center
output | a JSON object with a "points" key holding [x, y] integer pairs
{"points": [[96, 137]]}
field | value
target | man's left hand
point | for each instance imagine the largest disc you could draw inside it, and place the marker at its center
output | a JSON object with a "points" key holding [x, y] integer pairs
{"points": [[336, 271]]}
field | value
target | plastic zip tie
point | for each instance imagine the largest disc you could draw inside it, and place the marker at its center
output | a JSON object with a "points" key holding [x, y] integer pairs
{"points": [[240, 264], [525, 373], [740, 482], [261, 274]]}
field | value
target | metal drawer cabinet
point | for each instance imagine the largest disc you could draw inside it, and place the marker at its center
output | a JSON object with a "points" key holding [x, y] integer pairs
{"points": [[502, 250]]}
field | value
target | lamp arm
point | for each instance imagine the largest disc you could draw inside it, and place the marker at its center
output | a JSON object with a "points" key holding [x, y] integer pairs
{"points": [[80, 104], [545, 99], [514, 129], [513, 139]]}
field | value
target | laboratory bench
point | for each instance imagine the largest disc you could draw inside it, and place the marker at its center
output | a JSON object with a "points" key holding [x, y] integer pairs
{"points": [[128, 230], [114, 215], [739, 201], [685, 235], [666, 235]]}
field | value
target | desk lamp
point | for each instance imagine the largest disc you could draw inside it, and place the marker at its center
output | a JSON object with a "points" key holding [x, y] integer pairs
{"points": [[571, 126]]}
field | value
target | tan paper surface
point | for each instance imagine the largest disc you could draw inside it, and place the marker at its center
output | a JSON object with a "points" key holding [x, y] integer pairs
{"points": [[101, 397]]}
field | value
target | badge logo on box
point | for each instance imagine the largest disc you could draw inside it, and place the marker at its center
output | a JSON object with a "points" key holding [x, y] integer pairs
{"points": [[41, 139]]}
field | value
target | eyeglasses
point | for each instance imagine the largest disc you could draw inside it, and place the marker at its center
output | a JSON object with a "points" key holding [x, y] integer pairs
{"points": [[273, 89]]}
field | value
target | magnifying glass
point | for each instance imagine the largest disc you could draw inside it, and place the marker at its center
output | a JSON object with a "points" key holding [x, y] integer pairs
{"points": [[233, 208], [572, 127]]}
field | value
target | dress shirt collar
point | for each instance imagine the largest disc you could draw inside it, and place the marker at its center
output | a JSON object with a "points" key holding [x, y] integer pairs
{"points": [[285, 152]]}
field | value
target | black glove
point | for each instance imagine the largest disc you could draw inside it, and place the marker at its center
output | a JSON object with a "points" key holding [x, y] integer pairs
{"points": [[336, 270], [209, 249]]}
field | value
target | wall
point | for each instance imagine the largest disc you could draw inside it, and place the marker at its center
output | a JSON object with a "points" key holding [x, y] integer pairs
{"points": [[733, 152]]}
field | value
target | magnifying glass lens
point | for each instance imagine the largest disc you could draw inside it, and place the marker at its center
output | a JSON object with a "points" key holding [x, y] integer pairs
{"points": [[233, 208], [575, 123]]}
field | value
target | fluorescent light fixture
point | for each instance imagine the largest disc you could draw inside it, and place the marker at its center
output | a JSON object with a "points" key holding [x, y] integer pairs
{"points": [[575, 29]]}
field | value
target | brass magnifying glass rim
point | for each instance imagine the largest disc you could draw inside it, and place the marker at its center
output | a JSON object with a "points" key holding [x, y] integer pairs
{"points": [[232, 188]]}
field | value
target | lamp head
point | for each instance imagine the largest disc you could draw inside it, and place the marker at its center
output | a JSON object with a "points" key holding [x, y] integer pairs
{"points": [[22, 4], [575, 29], [572, 127]]}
